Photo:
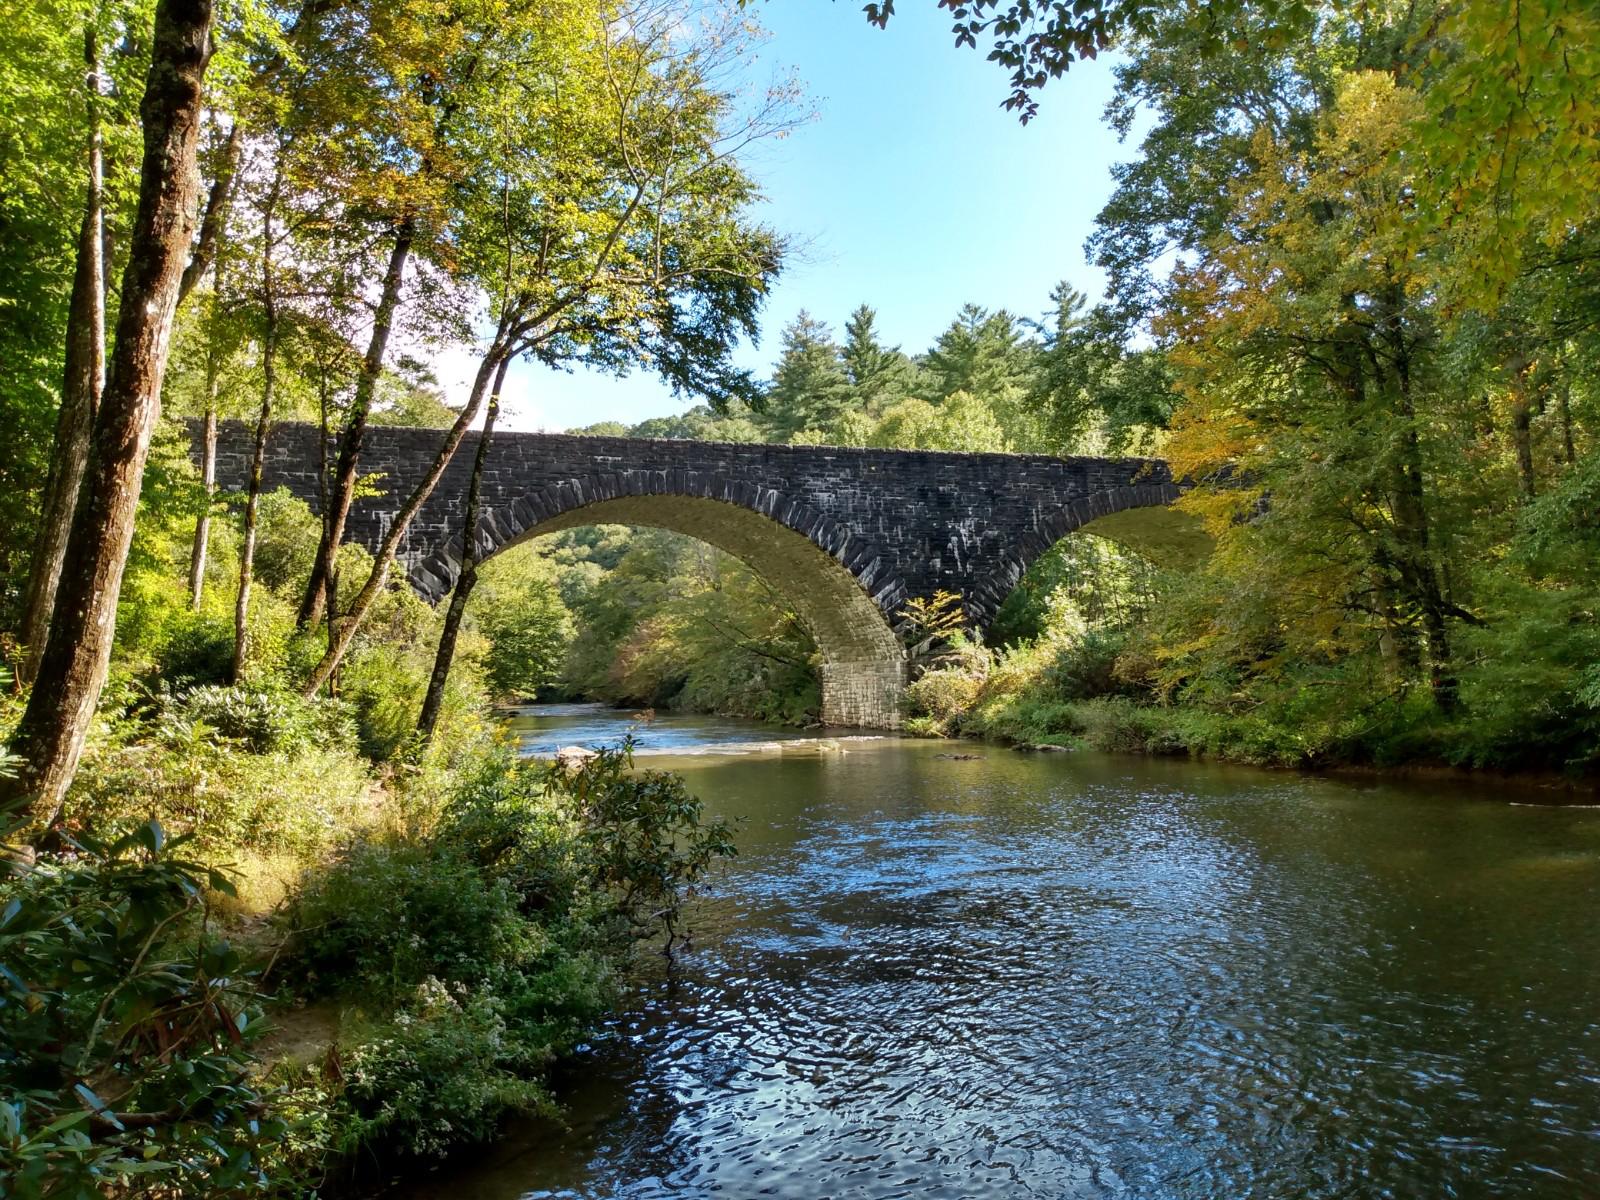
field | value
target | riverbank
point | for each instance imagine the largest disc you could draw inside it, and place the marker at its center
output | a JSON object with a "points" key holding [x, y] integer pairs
{"points": [[283, 968], [1080, 694]]}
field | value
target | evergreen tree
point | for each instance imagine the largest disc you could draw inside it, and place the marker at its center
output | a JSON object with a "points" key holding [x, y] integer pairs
{"points": [[982, 353], [810, 389], [879, 375]]}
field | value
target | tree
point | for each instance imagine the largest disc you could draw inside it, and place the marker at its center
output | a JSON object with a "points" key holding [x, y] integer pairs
{"points": [[528, 628], [46, 102], [409, 74], [467, 579], [981, 353], [1300, 332], [80, 390], [207, 257], [271, 327], [628, 243], [809, 388], [879, 375], [72, 672]]}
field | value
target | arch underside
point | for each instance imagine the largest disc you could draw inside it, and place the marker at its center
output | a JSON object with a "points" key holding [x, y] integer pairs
{"points": [[1139, 517], [843, 590], [863, 665]]}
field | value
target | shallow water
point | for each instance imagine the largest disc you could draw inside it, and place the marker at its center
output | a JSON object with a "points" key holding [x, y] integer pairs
{"points": [[1085, 976]]}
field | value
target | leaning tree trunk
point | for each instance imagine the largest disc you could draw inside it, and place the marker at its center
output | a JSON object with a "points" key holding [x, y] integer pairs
{"points": [[80, 392], [468, 577], [78, 651], [343, 629], [252, 507], [214, 218], [341, 491]]}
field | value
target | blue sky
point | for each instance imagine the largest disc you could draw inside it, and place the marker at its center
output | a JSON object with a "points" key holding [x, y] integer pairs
{"points": [[912, 191]]}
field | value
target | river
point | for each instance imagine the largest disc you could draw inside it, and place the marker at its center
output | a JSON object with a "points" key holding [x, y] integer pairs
{"points": [[928, 975]]}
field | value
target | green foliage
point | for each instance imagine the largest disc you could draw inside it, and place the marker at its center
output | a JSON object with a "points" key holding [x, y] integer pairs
{"points": [[388, 915], [527, 626], [446, 1072], [641, 835], [809, 388], [295, 801], [926, 621], [123, 1026], [484, 948], [286, 541], [264, 721], [673, 623], [942, 695]]}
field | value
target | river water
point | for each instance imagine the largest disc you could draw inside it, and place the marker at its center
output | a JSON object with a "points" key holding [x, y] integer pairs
{"points": [[1078, 975]]}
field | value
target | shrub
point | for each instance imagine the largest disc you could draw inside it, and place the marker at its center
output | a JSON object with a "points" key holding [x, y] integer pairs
{"points": [[386, 916], [123, 1025], [198, 650], [1085, 666], [228, 798], [266, 721], [943, 694], [485, 949], [445, 1072]]}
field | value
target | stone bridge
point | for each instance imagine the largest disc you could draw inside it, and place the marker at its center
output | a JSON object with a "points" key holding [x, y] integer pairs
{"points": [[847, 536]]}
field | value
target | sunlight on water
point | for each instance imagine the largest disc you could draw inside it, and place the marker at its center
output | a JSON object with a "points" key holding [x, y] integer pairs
{"points": [[1082, 976]]}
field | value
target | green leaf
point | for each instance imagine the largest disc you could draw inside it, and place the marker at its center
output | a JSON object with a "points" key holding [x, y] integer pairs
{"points": [[97, 1104]]}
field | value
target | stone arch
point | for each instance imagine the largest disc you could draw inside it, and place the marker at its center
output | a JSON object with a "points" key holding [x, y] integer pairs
{"points": [[1139, 515], [842, 587]]}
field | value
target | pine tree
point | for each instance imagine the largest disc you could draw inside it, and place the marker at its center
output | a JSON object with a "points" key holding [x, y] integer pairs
{"points": [[810, 389]]}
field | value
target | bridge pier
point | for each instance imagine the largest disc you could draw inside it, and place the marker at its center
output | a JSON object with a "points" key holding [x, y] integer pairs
{"points": [[863, 693]]}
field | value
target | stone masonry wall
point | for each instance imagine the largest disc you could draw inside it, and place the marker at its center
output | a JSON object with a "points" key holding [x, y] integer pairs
{"points": [[900, 523]]}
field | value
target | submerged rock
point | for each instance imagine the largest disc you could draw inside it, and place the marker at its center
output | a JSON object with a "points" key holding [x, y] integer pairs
{"points": [[1042, 748]]}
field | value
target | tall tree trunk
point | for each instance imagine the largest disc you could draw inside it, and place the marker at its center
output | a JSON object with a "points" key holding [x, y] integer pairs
{"points": [[1417, 570], [345, 628], [1522, 425], [206, 253], [208, 481], [78, 650], [342, 489], [1564, 403], [467, 579], [201, 548], [80, 390], [215, 216], [269, 379]]}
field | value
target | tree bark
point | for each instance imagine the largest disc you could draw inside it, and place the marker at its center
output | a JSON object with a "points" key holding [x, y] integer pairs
{"points": [[1564, 403], [1416, 568], [269, 379], [342, 488], [208, 480], [78, 651], [467, 579], [1522, 426], [343, 629], [80, 390], [216, 216]]}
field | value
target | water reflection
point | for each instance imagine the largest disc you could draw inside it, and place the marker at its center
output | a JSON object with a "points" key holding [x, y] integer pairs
{"points": [[1077, 976]]}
